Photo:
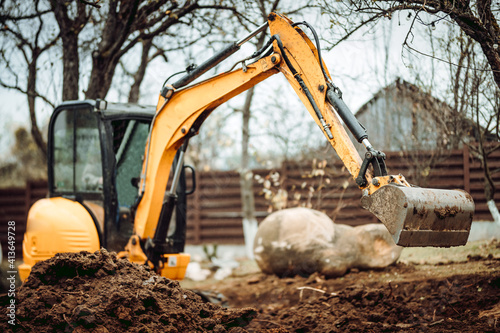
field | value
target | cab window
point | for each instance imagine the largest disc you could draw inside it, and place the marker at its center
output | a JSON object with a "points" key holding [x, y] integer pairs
{"points": [[129, 142], [76, 162]]}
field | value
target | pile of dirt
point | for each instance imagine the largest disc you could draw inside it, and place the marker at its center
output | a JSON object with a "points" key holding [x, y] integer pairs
{"points": [[97, 292]]}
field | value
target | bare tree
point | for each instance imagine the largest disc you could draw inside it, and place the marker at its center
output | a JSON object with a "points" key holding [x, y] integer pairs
{"points": [[24, 37], [123, 24], [138, 76], [102, 33], [477, 19], [473, 103], [476, 99], [70, 29]]}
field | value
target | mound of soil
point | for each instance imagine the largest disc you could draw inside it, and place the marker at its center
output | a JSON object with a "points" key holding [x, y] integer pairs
{"points": [[97, 292]]}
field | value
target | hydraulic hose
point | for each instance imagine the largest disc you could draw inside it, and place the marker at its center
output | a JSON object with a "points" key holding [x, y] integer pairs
{"points": [[216, 59], [304, 87]]}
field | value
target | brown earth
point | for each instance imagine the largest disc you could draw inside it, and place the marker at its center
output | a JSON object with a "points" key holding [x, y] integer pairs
{"points": [[399, 298], [99, 293], [428, 290], [96, 292]]}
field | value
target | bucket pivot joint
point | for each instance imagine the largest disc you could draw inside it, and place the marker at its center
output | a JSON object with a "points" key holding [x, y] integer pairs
{"points": [[377, 159]]}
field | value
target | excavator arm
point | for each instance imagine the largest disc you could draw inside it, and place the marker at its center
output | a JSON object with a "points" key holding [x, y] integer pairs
{"points": [[414, 216]]}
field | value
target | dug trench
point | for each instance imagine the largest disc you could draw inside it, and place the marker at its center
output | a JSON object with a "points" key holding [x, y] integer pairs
{"points": [[96, 292]]}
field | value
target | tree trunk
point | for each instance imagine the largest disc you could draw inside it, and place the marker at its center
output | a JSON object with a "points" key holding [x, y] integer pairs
{"points": [[133, 96], [489, 190], [71, 69], [69, 30], [492, 206], [31, 94], [101, 76], [250, 224]]}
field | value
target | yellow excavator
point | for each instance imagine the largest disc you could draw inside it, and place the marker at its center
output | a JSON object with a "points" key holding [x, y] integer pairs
{"points": [[117, 178]]}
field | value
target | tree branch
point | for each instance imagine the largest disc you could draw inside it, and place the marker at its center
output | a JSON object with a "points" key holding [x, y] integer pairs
{"points": [[23, 91], [90, 3]]}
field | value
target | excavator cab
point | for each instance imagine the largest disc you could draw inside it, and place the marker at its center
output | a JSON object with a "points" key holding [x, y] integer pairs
{"points": [[95, 155]]}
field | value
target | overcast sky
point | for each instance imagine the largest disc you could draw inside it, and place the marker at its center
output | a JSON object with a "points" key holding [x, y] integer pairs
{"points": [[356, 66]]}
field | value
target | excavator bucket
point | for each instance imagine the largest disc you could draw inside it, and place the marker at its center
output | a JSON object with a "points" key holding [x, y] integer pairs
{"points": [[423, 217]]}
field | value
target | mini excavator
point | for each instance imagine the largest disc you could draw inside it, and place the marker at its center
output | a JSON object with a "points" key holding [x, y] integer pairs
{"points": [[117, 178]]}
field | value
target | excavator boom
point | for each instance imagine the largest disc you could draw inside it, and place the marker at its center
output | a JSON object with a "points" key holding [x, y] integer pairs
{"points": [[398, 204]]}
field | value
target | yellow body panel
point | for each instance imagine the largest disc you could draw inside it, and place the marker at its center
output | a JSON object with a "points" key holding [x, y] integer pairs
{"points": [[175, 267], [56, 225], [175, 264]]}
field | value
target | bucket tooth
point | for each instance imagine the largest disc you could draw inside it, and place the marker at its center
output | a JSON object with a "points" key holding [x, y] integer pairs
{"points": [[423, 217]]}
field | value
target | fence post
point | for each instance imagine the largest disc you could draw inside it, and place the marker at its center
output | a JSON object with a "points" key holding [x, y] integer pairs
{"points": [[197, 210], [466, 168], [27, 198]]}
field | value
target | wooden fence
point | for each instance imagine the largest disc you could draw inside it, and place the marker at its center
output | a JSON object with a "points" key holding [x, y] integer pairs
{"points": [[214, 210], [14, 206]]}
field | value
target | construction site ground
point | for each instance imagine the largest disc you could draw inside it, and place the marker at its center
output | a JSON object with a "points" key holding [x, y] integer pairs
{"points": [[428, 290]]}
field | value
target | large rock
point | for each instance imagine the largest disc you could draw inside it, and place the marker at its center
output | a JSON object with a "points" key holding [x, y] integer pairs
{"points": [[303, 241]]}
